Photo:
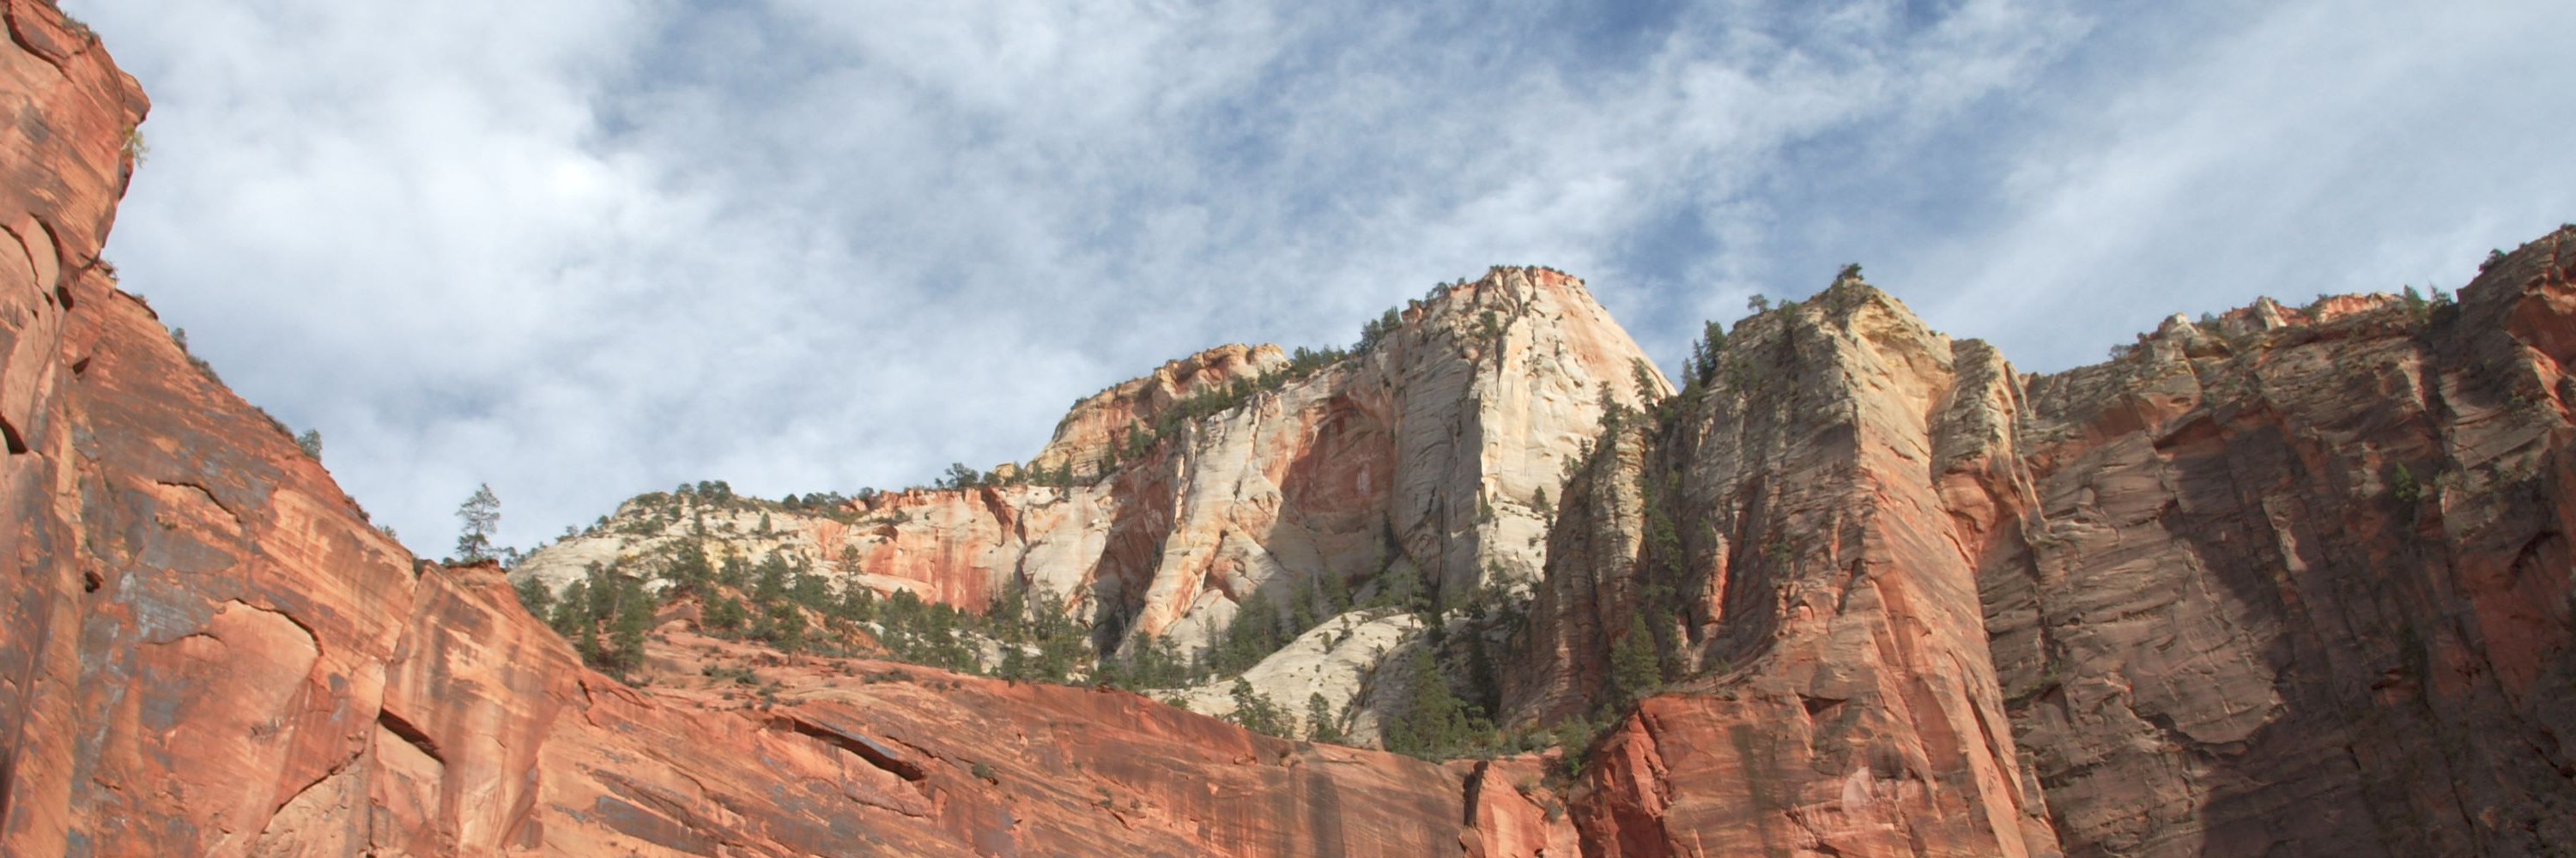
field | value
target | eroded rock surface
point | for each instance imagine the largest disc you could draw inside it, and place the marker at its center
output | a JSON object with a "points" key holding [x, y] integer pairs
{"points": [[2284, 582], [2299, 579], [1424, 459], [1788, 535]]}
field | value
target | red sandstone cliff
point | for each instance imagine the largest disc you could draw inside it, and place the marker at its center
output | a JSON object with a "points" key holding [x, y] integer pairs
{"points": [[2290, 582], [208, 651]]}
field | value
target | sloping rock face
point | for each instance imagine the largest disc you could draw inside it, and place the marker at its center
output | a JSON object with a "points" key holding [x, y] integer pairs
{"points": [[1101, 421], [2299, 580], [1424, 457], [208, 651], [2285, 582], [2282, 582], [1791, 533]]}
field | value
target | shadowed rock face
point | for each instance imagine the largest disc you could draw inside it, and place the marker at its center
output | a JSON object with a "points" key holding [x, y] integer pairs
{"points": [[2229, 625], [2286, 582]]}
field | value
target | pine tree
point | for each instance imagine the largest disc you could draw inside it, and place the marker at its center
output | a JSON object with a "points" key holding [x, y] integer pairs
{"points": [[1434, 722], [1634, 670], [1254, 711], [535, 597], [626, 632], [1321, 726], [481, 514], [726, 615]]}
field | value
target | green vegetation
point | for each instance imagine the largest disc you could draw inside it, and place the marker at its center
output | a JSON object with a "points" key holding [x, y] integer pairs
{"points": [[1701, 370], [1322, 723], [1378, 329], [1253, 711], [1434, 722], [605, 599], [1635, 669], [481, 514], [2403, 488], [311, 443]]}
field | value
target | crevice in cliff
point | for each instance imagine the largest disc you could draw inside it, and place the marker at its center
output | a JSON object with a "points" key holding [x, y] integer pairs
{"points": [[211, 499], [9, 432], [410, 734], [875, 754]]}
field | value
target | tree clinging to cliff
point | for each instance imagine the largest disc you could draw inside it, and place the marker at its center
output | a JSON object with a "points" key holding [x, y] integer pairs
{"points": [[481, 515]]}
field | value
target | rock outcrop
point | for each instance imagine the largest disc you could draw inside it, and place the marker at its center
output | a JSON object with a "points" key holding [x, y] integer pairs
{"points": [[209, 651], [2287, 581], [2300, 579], [1789, 535], [1421, 461], [2284, 581]]}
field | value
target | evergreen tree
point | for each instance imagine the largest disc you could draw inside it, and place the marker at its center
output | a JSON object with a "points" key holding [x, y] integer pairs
{"points": [[626, 632], [572, 610], [1253, 634], [481, 515], [535, 597], [1434, 723], [1254, 711], [1321, 726], [769, 584], [783, 626], [1305, 607], [726, 616], [1335, 595], [1634, 668], [684, 562]]}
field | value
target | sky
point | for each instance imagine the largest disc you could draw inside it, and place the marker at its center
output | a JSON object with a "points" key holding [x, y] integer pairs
{"points": [[583, 249]]}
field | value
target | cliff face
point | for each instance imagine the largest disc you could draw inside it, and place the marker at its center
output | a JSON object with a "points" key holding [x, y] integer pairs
{"points": [[208, 651], [2284, 582], [2302, 577], [1423, 457], [2287, 581], [1802, 532]]}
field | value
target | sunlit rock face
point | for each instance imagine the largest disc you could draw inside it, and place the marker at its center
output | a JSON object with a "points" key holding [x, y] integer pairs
{"points": [[1420, 462], [2287, 581]]}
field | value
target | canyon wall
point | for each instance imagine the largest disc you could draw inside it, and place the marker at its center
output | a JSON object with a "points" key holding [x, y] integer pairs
{"points": [[1425, 455], [1792, 539], [2282, 581], [208, 650]]}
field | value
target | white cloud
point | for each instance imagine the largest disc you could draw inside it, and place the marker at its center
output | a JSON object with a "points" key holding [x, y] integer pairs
{"points": [[587, 248]]}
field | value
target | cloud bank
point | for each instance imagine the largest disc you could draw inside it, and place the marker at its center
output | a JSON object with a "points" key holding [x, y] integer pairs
{"points": [[587, 248]]}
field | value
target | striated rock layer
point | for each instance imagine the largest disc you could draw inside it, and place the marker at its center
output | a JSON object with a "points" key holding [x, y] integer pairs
{"points": [[1422, 457], [2286, 582], [1794, 531], [2281, 582], [2300, 579], [208, 651]]}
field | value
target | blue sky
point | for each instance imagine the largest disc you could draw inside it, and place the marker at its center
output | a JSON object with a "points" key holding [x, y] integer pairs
{"points": [[586, 248]]}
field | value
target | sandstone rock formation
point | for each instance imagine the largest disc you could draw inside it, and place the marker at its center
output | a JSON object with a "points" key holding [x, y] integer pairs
{"points": [[2283, 582], [2300, 579], [2280, 582], [1789, 529], [1422, 458]]}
